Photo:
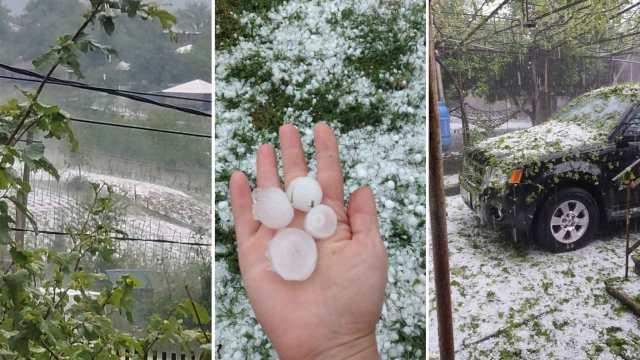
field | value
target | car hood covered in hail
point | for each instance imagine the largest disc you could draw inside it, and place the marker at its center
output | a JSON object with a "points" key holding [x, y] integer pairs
{"points": [[585, 122]]}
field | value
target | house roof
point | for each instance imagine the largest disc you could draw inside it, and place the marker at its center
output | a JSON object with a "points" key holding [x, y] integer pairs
{"points": [[192, 87]]}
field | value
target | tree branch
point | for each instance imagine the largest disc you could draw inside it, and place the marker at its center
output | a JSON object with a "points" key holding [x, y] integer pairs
{"points": [[624, 10], [195, 311], [12, 138], [482, 22]]}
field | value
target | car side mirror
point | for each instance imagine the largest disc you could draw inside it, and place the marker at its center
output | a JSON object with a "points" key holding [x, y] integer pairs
{"points": [[621, 141]]}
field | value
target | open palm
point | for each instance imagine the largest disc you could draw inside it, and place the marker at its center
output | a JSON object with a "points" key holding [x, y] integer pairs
{"points": [[333, 314]]}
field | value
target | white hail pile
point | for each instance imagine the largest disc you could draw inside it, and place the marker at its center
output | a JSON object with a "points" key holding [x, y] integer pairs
{"points": [[292, 252]]}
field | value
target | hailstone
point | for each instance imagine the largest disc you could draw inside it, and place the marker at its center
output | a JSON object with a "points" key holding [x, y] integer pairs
{"points": [[293, 254], [304, 193], [272, 208], [321, 222]]}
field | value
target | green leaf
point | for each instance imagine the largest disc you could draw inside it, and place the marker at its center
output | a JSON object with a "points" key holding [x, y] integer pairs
{"points": [[8, 333], [195, 311], [15, 284], [167, 19], [92, 46], [37, 349], [34, 151], [7, 352], [45, 59], [107, 24], [21, 258], [130, 7]]}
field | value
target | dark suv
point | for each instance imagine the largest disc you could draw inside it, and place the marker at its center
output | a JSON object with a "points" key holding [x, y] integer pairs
{"points": [[556, 182]]}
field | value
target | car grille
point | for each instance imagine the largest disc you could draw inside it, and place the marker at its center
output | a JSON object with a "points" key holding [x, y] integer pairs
{"points": [[472, 173]]}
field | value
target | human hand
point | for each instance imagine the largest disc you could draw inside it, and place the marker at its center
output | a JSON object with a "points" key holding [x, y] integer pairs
{"points": [[332, 314]]}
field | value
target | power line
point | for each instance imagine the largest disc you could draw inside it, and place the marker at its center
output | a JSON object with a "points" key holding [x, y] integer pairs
{"points": [[175, 132], [119, 93], [30, 73], [80, 85], [119, 238]]}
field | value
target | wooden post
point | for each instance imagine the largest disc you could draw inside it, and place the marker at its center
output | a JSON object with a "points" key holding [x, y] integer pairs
{"points": [[628, 219], [438, 219], [440, 83]]}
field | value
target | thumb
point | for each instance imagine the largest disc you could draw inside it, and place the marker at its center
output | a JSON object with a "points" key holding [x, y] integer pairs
{"points": [[363, 216]]}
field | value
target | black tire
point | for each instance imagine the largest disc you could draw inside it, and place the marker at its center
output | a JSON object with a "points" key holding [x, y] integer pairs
{"points": [[572, 229]]}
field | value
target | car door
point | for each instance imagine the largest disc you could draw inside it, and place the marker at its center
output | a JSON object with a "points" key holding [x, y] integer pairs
{"points": [[626, 153]]}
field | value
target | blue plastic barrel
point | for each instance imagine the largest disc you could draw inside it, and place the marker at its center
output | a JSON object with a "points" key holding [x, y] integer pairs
{"points": [[445, 128]]}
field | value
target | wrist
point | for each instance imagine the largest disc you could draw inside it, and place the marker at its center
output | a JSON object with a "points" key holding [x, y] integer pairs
{"points": [[362, 348]]}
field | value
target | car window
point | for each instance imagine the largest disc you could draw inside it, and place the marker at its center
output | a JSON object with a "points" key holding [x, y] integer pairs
{"points": [[595, 111], [633, 128]]}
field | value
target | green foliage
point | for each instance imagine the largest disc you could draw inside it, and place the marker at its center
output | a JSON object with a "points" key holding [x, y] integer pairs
{"points": [[44, 19], [154, 62], [229, 30], [387, 43], [529, 66], [49, 306], [384, 59], [65, 52], [193, 310], [50, 303], [225, 237]]}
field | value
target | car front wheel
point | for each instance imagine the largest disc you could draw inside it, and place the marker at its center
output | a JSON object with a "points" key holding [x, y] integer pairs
{"points": [[568, 220]]}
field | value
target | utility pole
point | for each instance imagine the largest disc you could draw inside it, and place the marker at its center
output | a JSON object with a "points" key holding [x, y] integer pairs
{"points": [[438, 217], [440, 83]]}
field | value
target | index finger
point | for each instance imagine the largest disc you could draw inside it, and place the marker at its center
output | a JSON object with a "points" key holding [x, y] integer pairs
{"points": [[329, 168]]}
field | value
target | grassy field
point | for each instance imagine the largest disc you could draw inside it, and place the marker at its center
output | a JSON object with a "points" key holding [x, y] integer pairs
{"points": [[358, 65]]}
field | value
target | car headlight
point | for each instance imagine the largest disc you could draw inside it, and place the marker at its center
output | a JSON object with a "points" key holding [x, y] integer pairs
{"points": [[494, 177]]}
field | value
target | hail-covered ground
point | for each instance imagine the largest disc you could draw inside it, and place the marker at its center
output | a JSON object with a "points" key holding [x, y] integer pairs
{"points": [[359, 65], [514, 301], [145, 211]]}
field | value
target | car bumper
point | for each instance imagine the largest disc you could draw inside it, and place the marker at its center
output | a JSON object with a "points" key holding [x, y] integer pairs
{"points": [[500, 208]]}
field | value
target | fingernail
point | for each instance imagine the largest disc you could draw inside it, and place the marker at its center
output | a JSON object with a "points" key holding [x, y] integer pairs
{"points": [[285, 125]]}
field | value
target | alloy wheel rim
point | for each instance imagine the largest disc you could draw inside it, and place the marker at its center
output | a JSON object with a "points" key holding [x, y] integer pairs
{"points": [[569, 221]]}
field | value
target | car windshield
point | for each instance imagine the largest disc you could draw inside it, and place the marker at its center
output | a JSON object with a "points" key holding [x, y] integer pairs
{"points": [[599, 110]]}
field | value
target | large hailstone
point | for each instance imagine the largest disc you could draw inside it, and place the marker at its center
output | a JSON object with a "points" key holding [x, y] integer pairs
{"points": [[304, 193], [321, 222], [272, 208], [293, 254]]}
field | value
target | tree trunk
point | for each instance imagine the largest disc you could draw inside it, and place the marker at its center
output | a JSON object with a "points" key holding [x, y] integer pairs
{"points": [[466, 137], [541, 98], [546, 95], [534, 94]]}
